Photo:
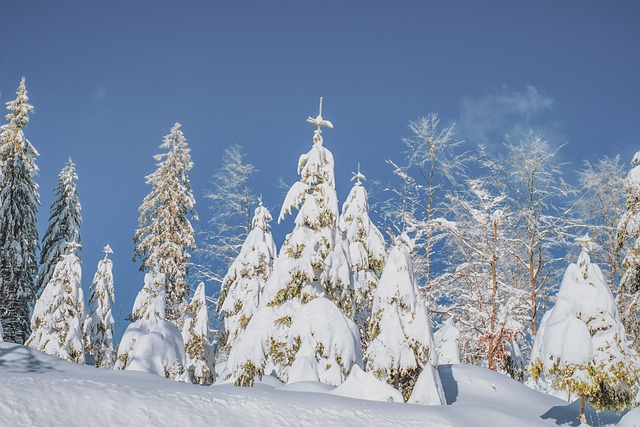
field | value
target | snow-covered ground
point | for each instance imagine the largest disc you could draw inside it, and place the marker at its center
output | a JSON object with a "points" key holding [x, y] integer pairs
{"points": [[42, 390]]}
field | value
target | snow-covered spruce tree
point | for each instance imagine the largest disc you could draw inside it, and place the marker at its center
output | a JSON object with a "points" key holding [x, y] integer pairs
{"points": [[581, 346], [313, 264], [243, 283], [601, 208], [628, 298], [229, 223], [19, 201], [401, 338], [58, 316], [64, 223], [367, 250], [151, 343], [195, 334], [165, 235], [99, 324]]}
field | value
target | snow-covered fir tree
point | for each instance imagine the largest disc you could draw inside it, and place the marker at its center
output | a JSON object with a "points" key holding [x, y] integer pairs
{"points": [[367, 251], [245, 279], [195, 334], [628, 297], [99, 324], [313, 263], [401, 337], [19, 202], [581, 346], [151, 343], [64, 223], [58, 316], [165, 235]]}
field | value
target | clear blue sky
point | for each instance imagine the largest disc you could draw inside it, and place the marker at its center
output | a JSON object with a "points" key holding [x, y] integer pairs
{"points": [[109, 79]]}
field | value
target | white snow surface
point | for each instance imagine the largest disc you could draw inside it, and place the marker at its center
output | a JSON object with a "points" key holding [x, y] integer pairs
{"points": [[44, 390]]}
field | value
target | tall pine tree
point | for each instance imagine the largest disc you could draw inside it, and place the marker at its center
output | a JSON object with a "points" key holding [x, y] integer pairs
{"points": [[19, 202], [64, 224], [299, 329], [367, 250], [165, 234], [99, 327]]}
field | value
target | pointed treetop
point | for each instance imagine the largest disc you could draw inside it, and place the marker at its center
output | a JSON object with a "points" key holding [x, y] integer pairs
{"points": [[260, 200], [20, 107], [107, 250], [358, 176], [319, 121], [73, 246]]}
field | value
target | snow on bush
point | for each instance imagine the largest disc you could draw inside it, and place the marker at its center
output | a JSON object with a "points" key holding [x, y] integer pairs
{"points": [[446, 340], [402, 340], [581, 346], [58, 316], [195, 334], [326, 344], [364, 385], [151, 343]]}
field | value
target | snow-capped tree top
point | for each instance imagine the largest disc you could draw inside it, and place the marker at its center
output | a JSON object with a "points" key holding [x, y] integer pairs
{"points": [[585, 242], [319, 121], [73, 247], [20, 107], [358, 176], [316, 188], [107, 250], [261, 218]]}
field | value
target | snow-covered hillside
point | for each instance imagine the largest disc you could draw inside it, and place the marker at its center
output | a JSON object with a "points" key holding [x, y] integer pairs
{"points": [[43, 390]]}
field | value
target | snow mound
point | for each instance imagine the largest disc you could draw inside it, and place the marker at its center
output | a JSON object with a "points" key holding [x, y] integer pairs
{"points": [[153, 346], [54, 391], [364, 385]]}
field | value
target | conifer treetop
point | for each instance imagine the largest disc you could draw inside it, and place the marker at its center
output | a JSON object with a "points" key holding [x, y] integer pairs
{"points": [[107, 251], [358, 176], [20, 107]]}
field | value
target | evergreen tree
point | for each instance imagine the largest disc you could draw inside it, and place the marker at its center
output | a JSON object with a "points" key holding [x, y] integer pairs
{"points": [[367, 251], [165, 234], [195, 335], [401, 338], [99, 328], [581, 346], [58, 316], [64, 224], [313, 265], [243, 283], [628, 298], [19, 201]]}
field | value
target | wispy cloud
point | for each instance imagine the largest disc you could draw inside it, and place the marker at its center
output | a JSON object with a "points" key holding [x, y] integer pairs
{"points": [[99, 94], [503, 111]]}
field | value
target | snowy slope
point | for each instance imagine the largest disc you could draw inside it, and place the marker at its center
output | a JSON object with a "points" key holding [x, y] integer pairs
{"points": [[42, 390]]}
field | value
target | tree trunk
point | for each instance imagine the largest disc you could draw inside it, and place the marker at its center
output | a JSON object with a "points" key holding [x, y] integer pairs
{"points": [[583, 417]]}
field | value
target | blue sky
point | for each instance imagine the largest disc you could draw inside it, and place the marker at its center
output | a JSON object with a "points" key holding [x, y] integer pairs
{"points": [[109, 79]]}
